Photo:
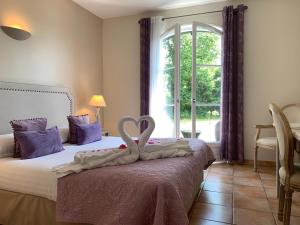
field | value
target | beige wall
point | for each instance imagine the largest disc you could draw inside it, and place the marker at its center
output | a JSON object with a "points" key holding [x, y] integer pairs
{"points": [[272, 55], [65, 48], [121, 69]]}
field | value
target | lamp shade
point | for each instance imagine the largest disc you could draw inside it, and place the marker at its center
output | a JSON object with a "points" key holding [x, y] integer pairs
{"points": [[97, 101]]}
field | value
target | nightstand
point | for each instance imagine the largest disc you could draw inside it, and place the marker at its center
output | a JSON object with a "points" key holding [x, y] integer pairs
{"points": [[105, 133]]}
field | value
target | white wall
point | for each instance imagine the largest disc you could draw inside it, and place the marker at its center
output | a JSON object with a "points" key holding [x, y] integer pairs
{"points": [[272, 55], [64, 49]]}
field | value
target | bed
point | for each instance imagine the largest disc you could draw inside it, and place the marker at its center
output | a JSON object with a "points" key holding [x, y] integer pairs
{"points": [[155, 192]]}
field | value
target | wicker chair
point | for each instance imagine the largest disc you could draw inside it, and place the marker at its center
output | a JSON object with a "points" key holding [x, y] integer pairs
{"points": [[289, 172]]}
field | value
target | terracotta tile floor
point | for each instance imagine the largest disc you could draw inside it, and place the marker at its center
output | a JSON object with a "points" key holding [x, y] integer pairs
{"points": [[234, 194]]}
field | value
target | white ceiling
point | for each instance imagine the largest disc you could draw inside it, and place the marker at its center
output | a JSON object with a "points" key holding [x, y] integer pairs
{"points": [[116, 8]]}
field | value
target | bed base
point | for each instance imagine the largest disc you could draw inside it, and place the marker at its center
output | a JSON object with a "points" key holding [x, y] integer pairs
{"points": [[24, 209]]}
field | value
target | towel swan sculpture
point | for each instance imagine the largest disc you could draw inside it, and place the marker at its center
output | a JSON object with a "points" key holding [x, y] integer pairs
{"points": [[162, 149], [143, 138], [134, 150]]}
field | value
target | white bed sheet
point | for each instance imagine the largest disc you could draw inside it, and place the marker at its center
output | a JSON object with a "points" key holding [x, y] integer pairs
{"points": [[34, 176]]}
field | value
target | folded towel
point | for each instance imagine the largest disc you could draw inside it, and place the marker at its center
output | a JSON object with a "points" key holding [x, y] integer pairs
{"points": [[97, 158], [165, 148], [103, 157]]}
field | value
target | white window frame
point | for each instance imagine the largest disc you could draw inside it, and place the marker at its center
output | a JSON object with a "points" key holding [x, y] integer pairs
{"points": [[177, 33]]}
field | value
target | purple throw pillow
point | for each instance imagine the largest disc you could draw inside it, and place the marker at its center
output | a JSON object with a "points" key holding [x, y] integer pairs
{"points": [[73, 121], [35, 124], [88, 133], [35, 144]]}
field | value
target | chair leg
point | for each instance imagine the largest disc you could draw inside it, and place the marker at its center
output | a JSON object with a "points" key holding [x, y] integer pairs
{"points": [[255, 158], [281, 202], [287, 207]]}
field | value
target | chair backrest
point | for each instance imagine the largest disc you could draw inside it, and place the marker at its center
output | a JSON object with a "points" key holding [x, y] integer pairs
{"points": [[285, 139], [292, 112]]}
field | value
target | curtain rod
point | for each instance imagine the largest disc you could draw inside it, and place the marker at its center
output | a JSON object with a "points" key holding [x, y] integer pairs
{"points": [[194, 14]]}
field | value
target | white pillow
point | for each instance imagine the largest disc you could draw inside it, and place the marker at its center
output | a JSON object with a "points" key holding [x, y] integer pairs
{"points": [[64, 134], [7, 145]]}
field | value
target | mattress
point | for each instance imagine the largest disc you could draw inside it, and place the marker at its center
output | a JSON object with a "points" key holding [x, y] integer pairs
{"points": [[35, 176]]}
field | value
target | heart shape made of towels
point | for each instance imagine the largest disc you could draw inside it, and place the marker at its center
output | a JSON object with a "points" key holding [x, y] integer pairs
{"points": [[144, 136]]}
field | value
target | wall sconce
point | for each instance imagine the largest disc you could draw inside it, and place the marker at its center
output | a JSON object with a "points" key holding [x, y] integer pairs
{"points": [[16, 33]]}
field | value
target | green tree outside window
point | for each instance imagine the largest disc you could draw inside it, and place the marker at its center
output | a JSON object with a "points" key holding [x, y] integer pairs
{"points": [[208, 78]]}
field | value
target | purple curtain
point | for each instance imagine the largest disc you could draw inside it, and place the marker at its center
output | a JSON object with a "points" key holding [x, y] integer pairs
{"points": [[232, 140], [145, 32]]}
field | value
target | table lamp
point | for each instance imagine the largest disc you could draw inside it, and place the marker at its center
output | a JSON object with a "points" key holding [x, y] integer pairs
{"points": [[97, 101]]}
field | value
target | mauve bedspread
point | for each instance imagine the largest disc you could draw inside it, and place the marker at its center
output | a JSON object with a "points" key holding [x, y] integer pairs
{"points": [[155, 192]]}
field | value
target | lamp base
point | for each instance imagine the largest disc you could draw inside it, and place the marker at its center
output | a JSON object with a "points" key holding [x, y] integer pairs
{"points": [[98, 115]]}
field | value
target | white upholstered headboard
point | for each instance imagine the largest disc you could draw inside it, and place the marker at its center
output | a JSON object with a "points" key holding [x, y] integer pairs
{"points": [[22, 101]]}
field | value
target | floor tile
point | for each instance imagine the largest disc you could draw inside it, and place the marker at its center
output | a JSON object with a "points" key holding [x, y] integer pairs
{"points": [[267, 176], [246, 202], [243, 167], [271, 192], [252, 217], [295, 211], [218, 187], [205, 222], [245, 173], [250, 191], [293, 220], [252, 194], [247, 181], [269, 170], [225, 170], [221, 165], [218, 167], [216, 198], [271, 183], [216, 177], [216, 213]]}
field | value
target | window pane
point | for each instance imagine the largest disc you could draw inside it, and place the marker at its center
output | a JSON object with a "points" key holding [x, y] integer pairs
{"points": [[208, 126], [168, 51], [162, 90], [186, 55], [163, 109], [208, 84], [208, 92], [208, 48], [168, 88]]}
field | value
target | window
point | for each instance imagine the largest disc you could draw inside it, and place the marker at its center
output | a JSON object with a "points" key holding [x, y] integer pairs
{"points": [[191, 81]]}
